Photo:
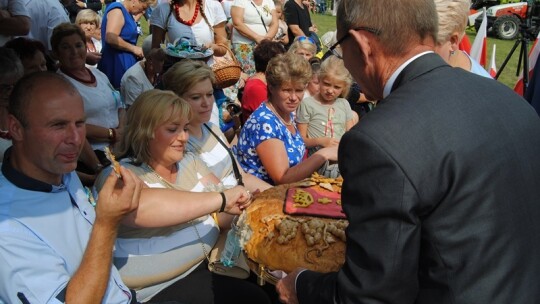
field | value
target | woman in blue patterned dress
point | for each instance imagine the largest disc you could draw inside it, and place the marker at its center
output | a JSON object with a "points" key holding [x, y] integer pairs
{"points": [[270, 146], [119, 33]]}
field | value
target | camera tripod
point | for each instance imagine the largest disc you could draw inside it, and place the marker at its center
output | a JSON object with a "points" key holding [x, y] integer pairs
{"points": [[525, 36]]}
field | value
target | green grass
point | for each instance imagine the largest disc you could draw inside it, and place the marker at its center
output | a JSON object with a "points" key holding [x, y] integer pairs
{"points": [[327, 23], [324, 23]]}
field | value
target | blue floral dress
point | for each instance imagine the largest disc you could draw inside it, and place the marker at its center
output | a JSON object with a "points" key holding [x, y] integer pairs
{"points": [[262, 125]]}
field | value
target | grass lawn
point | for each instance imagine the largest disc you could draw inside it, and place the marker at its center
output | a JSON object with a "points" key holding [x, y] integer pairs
{"points": [[327, 23]]}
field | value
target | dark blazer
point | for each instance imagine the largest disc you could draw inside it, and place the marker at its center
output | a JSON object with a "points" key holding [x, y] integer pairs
{"points": [[442, 191], [73, 9]]}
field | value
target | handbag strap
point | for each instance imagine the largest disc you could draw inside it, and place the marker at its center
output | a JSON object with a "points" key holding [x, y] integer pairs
{"points": [[237, 174], [262, 20]]}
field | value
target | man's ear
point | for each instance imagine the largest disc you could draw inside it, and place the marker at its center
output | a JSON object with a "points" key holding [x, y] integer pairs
{"points": [[16, 129], [364, 45]]}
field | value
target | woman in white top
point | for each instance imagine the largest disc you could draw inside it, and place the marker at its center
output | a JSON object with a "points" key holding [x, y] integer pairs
{"points": [[201, 21], [253, 21]]}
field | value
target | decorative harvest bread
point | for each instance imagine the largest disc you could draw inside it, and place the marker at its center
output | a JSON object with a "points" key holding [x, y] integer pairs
{"points": [[281, 241]]}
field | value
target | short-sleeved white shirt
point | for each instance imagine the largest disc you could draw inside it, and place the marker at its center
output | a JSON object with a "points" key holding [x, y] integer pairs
{"points": [[101, 103], [199, 33], [16, 8], [45, 15], [134, 83], [252, 18]]}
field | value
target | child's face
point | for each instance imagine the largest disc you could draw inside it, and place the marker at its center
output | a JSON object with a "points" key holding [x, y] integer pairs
{"points": [[305, 53], [313, 85], [279, 12], [330, 88]]}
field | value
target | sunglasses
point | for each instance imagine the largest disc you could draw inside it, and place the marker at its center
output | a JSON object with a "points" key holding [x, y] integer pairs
{"points": [[306, 39], [332, 49]]}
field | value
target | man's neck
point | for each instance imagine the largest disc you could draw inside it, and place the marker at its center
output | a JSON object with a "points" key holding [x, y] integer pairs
{"points": [[391, 63], [19, 163]]}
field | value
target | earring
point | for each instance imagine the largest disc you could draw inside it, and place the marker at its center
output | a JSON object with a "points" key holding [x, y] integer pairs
{"points": [[452, 53]]}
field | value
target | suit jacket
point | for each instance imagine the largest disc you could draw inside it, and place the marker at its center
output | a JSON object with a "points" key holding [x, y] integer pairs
{"points": [[442, 192]]}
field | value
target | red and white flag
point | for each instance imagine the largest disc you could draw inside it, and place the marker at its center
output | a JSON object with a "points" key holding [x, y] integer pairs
{"points": [[493, 66], [533, 56], [479, 46]]}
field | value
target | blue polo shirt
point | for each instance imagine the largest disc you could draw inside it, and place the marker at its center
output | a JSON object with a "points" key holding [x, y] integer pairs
{"points": [[44, 230]]}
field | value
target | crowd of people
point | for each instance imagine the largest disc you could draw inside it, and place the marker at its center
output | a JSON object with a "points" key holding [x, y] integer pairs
{"points": [[441, 182]]}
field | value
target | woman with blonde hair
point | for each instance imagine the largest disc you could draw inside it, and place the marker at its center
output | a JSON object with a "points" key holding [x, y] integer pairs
{"points": [[270, 145], [169, 263], [192, 80], [119, 34], [90, 22], [452, 15], [304, 46]]}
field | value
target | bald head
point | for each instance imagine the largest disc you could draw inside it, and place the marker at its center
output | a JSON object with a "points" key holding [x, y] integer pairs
{"points": [[30, 88]]}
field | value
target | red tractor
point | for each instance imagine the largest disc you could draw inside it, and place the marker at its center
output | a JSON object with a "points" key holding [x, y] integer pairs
{"points": [[504, 20]]}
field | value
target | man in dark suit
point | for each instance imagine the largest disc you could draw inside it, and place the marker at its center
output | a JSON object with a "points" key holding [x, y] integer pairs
{"points": [[441, 180]]}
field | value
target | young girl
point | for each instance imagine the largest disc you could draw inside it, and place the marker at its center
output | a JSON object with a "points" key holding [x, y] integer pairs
{"points": [[303, 46], [312, 87], [323, 118], [281, 35]]}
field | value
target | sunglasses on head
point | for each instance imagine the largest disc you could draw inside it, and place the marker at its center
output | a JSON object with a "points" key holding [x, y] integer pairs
{"points": [[305, 39]]}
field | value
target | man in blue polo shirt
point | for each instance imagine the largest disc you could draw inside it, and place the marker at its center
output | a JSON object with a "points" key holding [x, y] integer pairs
{"points": [[55, 247]]}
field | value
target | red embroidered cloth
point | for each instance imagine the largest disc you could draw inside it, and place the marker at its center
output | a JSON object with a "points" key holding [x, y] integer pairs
{"points": [[325, 203]]}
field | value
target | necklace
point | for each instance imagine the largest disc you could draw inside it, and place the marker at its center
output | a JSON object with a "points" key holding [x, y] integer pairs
{"points": [[91, 81], [177, 6], [171, 186], [271, 107]]}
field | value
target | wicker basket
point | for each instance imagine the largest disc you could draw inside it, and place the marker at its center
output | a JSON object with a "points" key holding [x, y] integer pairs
{"points": [[226, 69]]}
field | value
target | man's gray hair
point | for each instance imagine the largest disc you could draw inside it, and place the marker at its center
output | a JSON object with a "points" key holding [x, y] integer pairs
{"points": [[402, 23]]}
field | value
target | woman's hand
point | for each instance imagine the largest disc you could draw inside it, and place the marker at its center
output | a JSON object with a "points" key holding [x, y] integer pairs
{"points": [[329, 153], [137, 51], [328, 142], [93, 58], [237, 199]]}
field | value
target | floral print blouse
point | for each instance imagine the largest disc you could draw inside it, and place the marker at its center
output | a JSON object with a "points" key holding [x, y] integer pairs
{"points": [[262, 125]]}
